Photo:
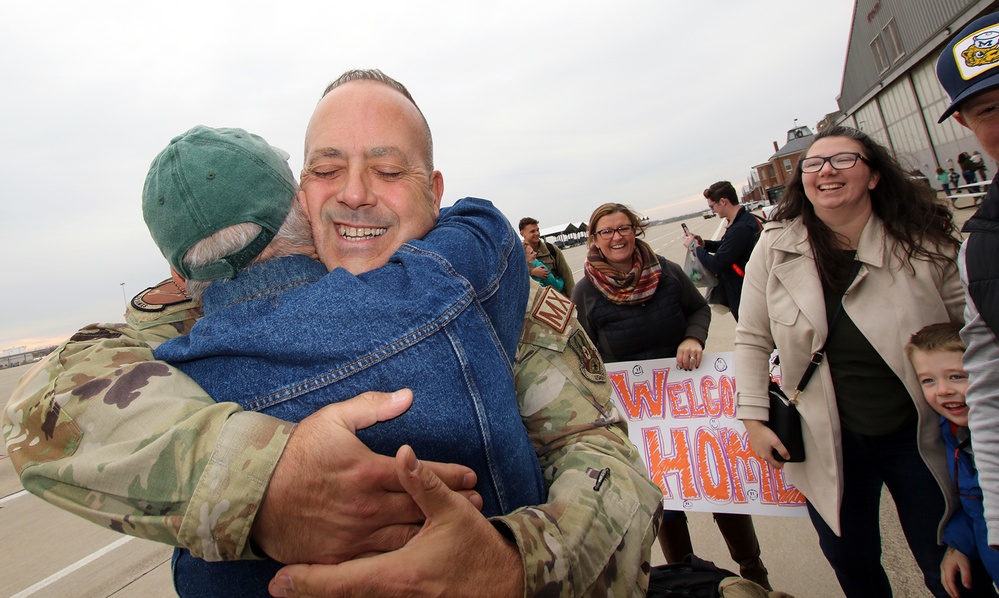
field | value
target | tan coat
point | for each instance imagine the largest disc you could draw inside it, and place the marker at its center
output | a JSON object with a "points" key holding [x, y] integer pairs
{"points": [[783, 305]]}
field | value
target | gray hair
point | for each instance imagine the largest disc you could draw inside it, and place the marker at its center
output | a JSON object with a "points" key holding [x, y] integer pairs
{"points": [[379, 77], [293, 238]]}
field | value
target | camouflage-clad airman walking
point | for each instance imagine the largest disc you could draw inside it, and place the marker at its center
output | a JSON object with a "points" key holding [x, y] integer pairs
{"points": [[101, 430]]}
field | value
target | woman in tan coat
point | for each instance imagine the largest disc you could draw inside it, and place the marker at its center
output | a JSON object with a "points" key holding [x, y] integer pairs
{"points": [[852, 225]]}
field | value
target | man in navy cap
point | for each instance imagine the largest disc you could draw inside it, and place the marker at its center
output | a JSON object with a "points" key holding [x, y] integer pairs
{"points": [[969, 70]]}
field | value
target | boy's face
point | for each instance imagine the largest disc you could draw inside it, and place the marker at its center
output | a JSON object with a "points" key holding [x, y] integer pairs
{"points": [[944, 383]]}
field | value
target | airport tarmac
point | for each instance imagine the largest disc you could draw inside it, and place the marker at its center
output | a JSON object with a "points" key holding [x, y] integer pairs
{"points": [[47, 552]]}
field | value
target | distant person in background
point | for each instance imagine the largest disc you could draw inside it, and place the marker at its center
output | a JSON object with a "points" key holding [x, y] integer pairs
{"points": [[979, 163], [636, 305], [944, 179], [968, 170], [955, 179], [550, 256], [727, 257], [533, 263]]}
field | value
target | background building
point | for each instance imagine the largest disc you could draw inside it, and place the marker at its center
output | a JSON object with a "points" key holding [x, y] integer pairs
{"points": [[890, 89], [776, 172]]}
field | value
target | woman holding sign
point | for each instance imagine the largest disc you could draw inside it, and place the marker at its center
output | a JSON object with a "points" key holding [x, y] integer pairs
{"points": [[635, 305], [853, 230]]}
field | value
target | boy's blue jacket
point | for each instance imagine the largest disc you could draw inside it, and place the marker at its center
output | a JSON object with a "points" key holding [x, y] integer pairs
{"points": [[966, 530]]}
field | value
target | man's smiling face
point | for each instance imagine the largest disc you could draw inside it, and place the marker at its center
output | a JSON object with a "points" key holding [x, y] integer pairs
{"points": [[367, 186]]}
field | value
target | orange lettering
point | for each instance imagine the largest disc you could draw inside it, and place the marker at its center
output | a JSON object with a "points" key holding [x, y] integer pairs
{"points": [[787, 495], [662, 466], [641, 397], [678, 408], [741, 459], [711, 402], [697, 408], [726, 394], [712, 467]]}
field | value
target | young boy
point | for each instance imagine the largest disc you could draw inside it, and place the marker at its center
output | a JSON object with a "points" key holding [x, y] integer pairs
{"points": [[935, 353]]}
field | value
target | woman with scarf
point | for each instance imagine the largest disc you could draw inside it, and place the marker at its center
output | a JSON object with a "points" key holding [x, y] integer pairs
{"points": [[636, 305]]}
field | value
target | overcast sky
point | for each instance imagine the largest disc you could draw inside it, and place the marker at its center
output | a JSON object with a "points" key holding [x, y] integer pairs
{"points": [[548, 108]]}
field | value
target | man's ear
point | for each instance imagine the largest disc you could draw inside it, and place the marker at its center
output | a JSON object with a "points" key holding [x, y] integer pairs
{"points": [[179, 280], [960, 119], [437, 187]]}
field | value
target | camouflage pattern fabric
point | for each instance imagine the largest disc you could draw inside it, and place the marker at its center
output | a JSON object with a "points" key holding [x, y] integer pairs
{"points": [[100, 429], [594, 535]]}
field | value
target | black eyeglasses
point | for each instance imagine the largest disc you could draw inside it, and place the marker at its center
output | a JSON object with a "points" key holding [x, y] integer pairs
{"points": [[625, 231], [842, 161]]}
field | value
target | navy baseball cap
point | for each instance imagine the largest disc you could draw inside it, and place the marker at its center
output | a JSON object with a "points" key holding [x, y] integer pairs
{"points": [[968, 63]]}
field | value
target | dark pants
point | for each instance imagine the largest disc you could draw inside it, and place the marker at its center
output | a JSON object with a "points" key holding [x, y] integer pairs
{"points": [[869, 462], [969, 177], [235, 579]]}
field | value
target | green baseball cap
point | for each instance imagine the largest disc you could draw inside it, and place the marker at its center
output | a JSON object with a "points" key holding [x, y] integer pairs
{"points": [[209, 179]]}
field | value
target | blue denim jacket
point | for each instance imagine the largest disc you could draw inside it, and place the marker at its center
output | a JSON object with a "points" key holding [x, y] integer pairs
{"points": [[443, 318]]}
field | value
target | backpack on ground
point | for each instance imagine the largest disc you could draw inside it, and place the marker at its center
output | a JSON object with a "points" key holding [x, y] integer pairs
{"points": [[693, 577]]}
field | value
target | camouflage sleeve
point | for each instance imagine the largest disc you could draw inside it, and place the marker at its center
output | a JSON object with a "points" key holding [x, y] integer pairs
{"points": [[594, 535], [100, 429]]}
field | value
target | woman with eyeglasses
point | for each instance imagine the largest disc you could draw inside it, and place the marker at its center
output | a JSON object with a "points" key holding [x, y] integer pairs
{"points": [[853, 230], [636, 305]]}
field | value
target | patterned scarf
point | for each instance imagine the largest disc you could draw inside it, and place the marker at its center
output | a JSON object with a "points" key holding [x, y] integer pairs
{"points": [[632, 287]]}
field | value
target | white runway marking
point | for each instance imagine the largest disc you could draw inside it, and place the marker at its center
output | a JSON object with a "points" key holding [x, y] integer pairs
{"points": [[51, 579], [11, 497]]}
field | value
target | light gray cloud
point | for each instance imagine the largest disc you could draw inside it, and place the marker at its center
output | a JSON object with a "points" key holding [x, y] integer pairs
{"points": [[548, 108]]}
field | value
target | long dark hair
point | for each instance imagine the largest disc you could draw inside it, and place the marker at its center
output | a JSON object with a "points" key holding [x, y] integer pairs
{"points": [[916, 222]]}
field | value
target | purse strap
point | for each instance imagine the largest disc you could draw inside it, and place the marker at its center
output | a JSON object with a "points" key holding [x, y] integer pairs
{"points": [[817, 357]]}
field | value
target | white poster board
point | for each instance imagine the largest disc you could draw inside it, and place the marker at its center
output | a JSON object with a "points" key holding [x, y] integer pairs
{"points": [[683, 423]]}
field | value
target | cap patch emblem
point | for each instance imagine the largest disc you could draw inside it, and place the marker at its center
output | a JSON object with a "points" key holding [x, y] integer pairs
{"points": [[977, 53]]}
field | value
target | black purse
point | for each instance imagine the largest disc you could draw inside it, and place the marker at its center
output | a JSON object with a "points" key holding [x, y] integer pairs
{"points": [[785, 421]]}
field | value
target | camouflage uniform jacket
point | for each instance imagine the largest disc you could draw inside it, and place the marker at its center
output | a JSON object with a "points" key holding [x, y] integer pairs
{"points": [[102, 430]]}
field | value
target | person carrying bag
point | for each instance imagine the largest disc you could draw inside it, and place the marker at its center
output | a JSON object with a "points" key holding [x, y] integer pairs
{"points": [[785, 420]]}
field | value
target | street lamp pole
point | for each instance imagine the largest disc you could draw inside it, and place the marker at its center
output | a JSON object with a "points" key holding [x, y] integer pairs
{"points": [[123, 298]]}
